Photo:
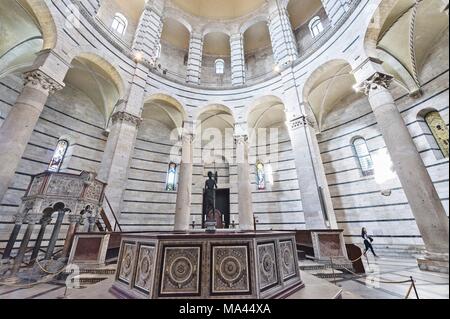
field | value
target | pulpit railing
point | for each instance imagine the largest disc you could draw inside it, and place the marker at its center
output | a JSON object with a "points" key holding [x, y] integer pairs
{"points": [[111, 217]]}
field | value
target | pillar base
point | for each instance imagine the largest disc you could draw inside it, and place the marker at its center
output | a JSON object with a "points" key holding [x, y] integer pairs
{"points": [[434, 262]]}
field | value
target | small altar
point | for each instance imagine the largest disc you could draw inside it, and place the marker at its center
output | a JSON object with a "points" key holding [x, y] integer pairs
{"points": [[222, 265]]}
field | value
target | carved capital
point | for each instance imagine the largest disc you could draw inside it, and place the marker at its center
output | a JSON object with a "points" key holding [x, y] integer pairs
{"points": [[376, 81], [39, 79], [187, 138], [33, 218], [126, 117], [241, 138], [75, 219], [301, 121]]}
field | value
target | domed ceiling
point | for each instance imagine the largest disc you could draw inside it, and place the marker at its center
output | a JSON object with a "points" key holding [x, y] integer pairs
{"points": [[219, 9]]}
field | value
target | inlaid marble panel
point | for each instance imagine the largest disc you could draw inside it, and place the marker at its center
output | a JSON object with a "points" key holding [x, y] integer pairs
{"points": [[230, 270], [288, 265], [127, 263], [145, 268], [267, 265], [181, 271]]}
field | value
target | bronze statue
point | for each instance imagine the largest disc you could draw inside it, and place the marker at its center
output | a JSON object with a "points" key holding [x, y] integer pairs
{"points": [[210, 192]]}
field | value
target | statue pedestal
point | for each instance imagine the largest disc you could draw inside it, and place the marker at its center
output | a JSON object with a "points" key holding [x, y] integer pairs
{"points": [[199, 265]]}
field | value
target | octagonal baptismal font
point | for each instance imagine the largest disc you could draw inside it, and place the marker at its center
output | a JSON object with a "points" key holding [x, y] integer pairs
{"points": [[250, 265]]}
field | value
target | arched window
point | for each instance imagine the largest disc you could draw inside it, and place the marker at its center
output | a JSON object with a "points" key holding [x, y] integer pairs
{"points": [[315, 26], [58, 156], [260, 176], [220, 66], [364, 156], [119, 24], [439, 130], [171, 183]]}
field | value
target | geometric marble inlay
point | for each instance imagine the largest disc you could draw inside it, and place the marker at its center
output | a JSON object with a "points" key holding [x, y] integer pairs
{"points": [[267, 264], [231, 271], [288, 267], [144, 272], [181, 271], [126, 266]]}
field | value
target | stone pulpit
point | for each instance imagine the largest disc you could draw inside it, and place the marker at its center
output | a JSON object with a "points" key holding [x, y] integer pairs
{"points": [[77, 197]]}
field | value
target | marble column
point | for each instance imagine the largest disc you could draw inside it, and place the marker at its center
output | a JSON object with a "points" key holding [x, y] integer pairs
{"points": [[423, 198], [313, 205], [13, 237], [246, 220], [184, 194], [74, 221], [336, 9], [147, 39], [55, 234], [37, 245], [194, 65], [237, 59], [313, 184], [20, 122], [31, 220], [117, 158], [121, 141], [284, 45]]}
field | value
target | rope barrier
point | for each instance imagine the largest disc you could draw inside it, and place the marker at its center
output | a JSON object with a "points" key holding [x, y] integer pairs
{"points": [[380, 279]]}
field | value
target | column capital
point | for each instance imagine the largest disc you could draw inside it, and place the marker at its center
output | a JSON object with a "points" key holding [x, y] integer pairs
{"points": [[301, 121], [39, 79], [241, 139], [376, 81], [122, 116], [19, 219], [33, 218], [75, 219]]}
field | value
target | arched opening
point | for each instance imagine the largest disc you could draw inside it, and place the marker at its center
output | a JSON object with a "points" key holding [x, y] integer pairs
{"points": [[174, 48], [259, 60], [99, 82], [308, 19], [273, 170], [216, 57], [119, 24], [150, 198], [214, 152], [121, 17]]}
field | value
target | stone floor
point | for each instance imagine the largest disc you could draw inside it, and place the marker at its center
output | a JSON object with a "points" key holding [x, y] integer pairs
{"points": [[382, 270], [429, 285]]}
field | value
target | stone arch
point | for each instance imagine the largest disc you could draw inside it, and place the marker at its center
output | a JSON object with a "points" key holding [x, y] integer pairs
{"points": [[94, 74], [46, 22], [167, 97], [177, 15], [327, 85], [214, 106], [254, 20]]}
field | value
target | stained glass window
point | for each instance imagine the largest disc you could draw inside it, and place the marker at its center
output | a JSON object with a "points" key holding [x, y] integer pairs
{"points": [[58, 156], [315, 26], [364, 156], [260, 176], [440, 131], [171, 184]]}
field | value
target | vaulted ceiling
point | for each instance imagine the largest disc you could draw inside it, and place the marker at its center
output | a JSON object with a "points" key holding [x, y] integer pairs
{"points": [[408, 37]]}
